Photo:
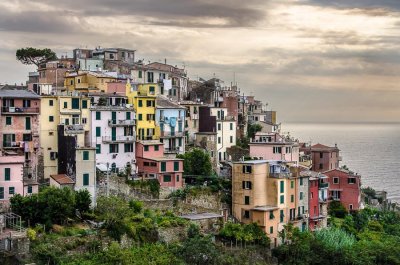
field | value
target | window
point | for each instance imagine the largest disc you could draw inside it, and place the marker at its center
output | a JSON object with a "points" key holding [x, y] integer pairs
{"points": [[140, 74], [98, 131], [288, 150], [51, 102], [53, 155], [271, 229], [219, 140], [140, 117], [301, 182], [29, 189], [246, 200], [27, 137], [128, 115], [321, 166], [301, 195], [321, 155], [51, 118], [11, 190], [231, 139], [150, 103], [8, 120], [163, 166], [282, 186], [246, 214], [277, 150], [281, 216], [146, 148], [246, 169], [1, 193], [231, 126], [98, 148], [176, 166], [291, 198], [351, 180], [152, 90], [350, 207], [335, 180], [292, 184], [84, 104], [156, 148], [26, 103], [167, 178], [84, 120], [246, 185], [282, 199], [219, 126], [85, 155], [128, 148], [7, 174], [98, 115], [271, 215], [150, 117], [312, 195], [140, 103], [113, 148], [86, 179]]}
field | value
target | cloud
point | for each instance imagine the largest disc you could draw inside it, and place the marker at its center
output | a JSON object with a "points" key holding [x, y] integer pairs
{"points": [[390, 4]]}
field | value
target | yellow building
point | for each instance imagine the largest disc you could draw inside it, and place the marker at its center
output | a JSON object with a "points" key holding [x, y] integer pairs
{"points": [[84, 81], [264, 192], [65, 134], [143, 98]]}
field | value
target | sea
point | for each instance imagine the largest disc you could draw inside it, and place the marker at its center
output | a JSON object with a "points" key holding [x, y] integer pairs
{"points": [[370, 149]]}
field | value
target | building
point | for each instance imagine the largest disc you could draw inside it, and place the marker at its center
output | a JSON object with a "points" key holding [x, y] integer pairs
{"points": [[265, 192], [170, 122], [191, 120], [274, 146], [323, 157], [345, 186], [208, 142], [19, 127], [152, 164], [65, 133], [113, 132], [86, 81], [212, 119]]}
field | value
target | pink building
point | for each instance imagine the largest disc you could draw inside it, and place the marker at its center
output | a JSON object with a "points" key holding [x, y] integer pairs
{"points": [[118, 88], [273, 146], [323, 157], [344, 186], [152, 164], [19, 127], [12, 180]]}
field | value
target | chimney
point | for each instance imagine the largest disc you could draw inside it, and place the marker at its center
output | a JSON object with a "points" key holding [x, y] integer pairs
{"points": [[165, 60]]}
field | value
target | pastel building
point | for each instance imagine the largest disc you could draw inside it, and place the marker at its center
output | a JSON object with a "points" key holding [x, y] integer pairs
{"points": [[170, 121], [19, 127], [345, 186], [113, 132], [323, 157], [191, 120], [265, 192], [273, 146], [86, 81], [152, 164]]}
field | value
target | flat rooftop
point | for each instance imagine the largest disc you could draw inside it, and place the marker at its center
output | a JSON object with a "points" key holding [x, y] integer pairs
{"points": [[201, 216]]}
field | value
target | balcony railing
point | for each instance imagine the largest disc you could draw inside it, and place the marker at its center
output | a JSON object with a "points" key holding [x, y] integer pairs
{"points": [[172, 134], [116, 123], [118, 139], [74, 129], [8, 144], [19, 110], [324, 185], [173, 150], [281, 175]]}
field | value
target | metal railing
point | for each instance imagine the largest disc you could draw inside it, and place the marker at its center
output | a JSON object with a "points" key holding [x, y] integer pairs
{"points": [[118, 139], [74, 129], [18, 110], [174, 150], [115, 123]]}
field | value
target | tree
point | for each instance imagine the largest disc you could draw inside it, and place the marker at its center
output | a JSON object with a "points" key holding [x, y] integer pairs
{"points": [[35, 56], [253, 129], [337, 209], [196, 162], [82, 200], [198, 250]]}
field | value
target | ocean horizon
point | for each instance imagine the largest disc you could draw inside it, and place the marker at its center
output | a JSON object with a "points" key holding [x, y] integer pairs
{"points": [[371, 149]]}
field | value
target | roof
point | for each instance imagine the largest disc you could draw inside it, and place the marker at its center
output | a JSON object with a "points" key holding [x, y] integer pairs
{"points": [[312, 174], [201, 216], [320, 147], [265, 208], [255, 162], [62, 179], [165, 103], [18, 93]]}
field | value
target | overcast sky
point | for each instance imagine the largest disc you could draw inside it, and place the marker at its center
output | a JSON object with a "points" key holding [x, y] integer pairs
{"points": [[311, 60]]}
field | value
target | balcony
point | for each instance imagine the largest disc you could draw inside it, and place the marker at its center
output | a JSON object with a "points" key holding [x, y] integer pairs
{"points": [[120, 123], [81, 86], [70, 111], [324, 185], [173, 150], [281, 175], [118, 139], [11, 145], [120, 107], [323, 200], [171, 134], [74, 129], [19, 110]]}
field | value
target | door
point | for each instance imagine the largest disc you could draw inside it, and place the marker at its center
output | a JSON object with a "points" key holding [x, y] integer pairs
{"points": [[27, 123]]}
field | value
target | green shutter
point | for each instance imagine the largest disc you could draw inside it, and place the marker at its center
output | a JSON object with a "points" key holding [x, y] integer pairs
{"points": [[163, 166], [140, 104], [113, 133], [75, 103], [140, 117], [1, 193], [146, 148], [65, 105], [271, 229], [246, 200], [301, 181], [282, 186], [180, 142], [29, 189], [85, 155], [98, 131], [113, 115], [85, 179], [140, 74], [128, 115], [176, 166], [282, 199], [301, 195], [167, 178], [291, 198], [180, 126], [292, 184], [8, 120], [11, 190], [281, 216], [98, 148], [7, 174], [98, 115], [84, 104], [51, 118]]}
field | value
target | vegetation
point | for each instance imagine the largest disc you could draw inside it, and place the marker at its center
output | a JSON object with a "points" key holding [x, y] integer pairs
{"points": [[35, 56], [252, 129], [337, 209], [250, 233], [151, 185], [196, 162]]}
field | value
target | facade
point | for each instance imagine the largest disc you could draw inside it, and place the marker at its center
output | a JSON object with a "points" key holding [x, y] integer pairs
{"points": [[345, 186], [264, 192], [323, 157], [208, 142], [152, 164], [19, 127], [191, 120], [274, 146], [85, 81], [170, 122], [113, 132]]}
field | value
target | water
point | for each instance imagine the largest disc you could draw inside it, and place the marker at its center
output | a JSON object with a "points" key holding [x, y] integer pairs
{"points": [[372, 150]]}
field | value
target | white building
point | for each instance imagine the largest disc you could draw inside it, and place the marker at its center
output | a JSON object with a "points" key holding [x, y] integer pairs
{"points": [[226, 132], [113, 132]]}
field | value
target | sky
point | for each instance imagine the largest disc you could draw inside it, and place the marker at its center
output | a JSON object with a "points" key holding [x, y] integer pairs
{"points": [[310, 60]]}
